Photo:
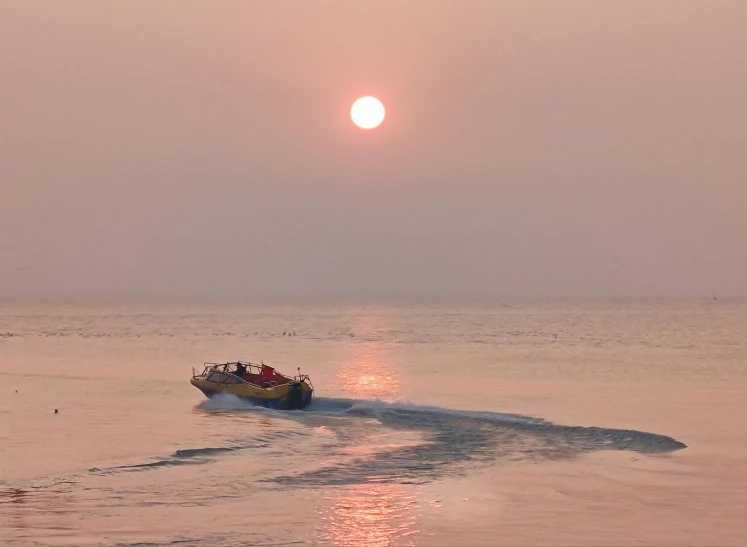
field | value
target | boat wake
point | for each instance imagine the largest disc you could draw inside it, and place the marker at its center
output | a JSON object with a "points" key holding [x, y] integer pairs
{"points": [[449, 441], [226, 401], [200, 456]]}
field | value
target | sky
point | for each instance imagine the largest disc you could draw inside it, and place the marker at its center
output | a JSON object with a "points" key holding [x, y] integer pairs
{"points": [[552, 148]]}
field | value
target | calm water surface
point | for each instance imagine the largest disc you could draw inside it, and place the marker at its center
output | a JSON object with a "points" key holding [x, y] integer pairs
{"points": [[517, 423]]}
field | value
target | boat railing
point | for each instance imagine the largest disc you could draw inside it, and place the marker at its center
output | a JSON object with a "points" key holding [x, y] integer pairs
{"points": [[222, 373], [252, 368], [303, 378]]}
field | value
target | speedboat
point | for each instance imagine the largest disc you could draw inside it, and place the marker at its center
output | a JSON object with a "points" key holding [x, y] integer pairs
{"points": [[257, 383]]}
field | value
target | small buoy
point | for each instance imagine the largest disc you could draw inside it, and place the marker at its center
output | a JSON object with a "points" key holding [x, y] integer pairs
{"points": [[55, 411]]}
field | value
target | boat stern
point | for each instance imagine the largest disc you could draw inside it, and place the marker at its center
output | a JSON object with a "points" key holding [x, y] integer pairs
{"points": [[299, 395]]}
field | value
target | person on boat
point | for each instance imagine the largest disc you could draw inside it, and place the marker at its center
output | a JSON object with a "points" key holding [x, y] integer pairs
{"points": [[240, 370]]}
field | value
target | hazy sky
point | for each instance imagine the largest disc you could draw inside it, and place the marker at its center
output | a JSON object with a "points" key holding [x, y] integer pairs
{"points": [[175, 148]]}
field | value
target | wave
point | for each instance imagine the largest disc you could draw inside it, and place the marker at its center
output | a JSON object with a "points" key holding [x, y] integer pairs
{"points": [[226, 401], [448, 441], [360, 407], [189, 456], [204, 455], [377, 407], [457, 440]]}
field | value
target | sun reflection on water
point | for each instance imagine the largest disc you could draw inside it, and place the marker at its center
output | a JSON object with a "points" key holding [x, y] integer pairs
{"points": [[371, 370], [46, 508], [372, 514], [369, 375]]}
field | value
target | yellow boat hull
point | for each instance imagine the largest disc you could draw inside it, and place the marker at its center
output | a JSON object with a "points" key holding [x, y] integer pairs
{"points": [[285, 397]]}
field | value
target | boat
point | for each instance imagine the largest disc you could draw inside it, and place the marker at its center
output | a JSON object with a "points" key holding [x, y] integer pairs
{"points": [[258, 384]]}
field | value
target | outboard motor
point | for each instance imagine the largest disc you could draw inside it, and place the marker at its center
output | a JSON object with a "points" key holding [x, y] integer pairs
{"points": [[295, 395]]}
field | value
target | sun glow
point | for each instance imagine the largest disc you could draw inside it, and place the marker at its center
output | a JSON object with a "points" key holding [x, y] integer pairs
{"points": [[367, 112], [371, 514], [370, 374]]}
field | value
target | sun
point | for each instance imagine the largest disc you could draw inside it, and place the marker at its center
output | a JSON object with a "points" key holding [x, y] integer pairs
{"points": [[367, 112]]}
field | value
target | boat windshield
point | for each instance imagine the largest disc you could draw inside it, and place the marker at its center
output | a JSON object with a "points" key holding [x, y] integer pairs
{"points": [[220, 377]]}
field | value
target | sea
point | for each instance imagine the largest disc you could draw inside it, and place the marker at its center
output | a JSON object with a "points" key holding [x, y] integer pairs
{"points": [[502, 423]]}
